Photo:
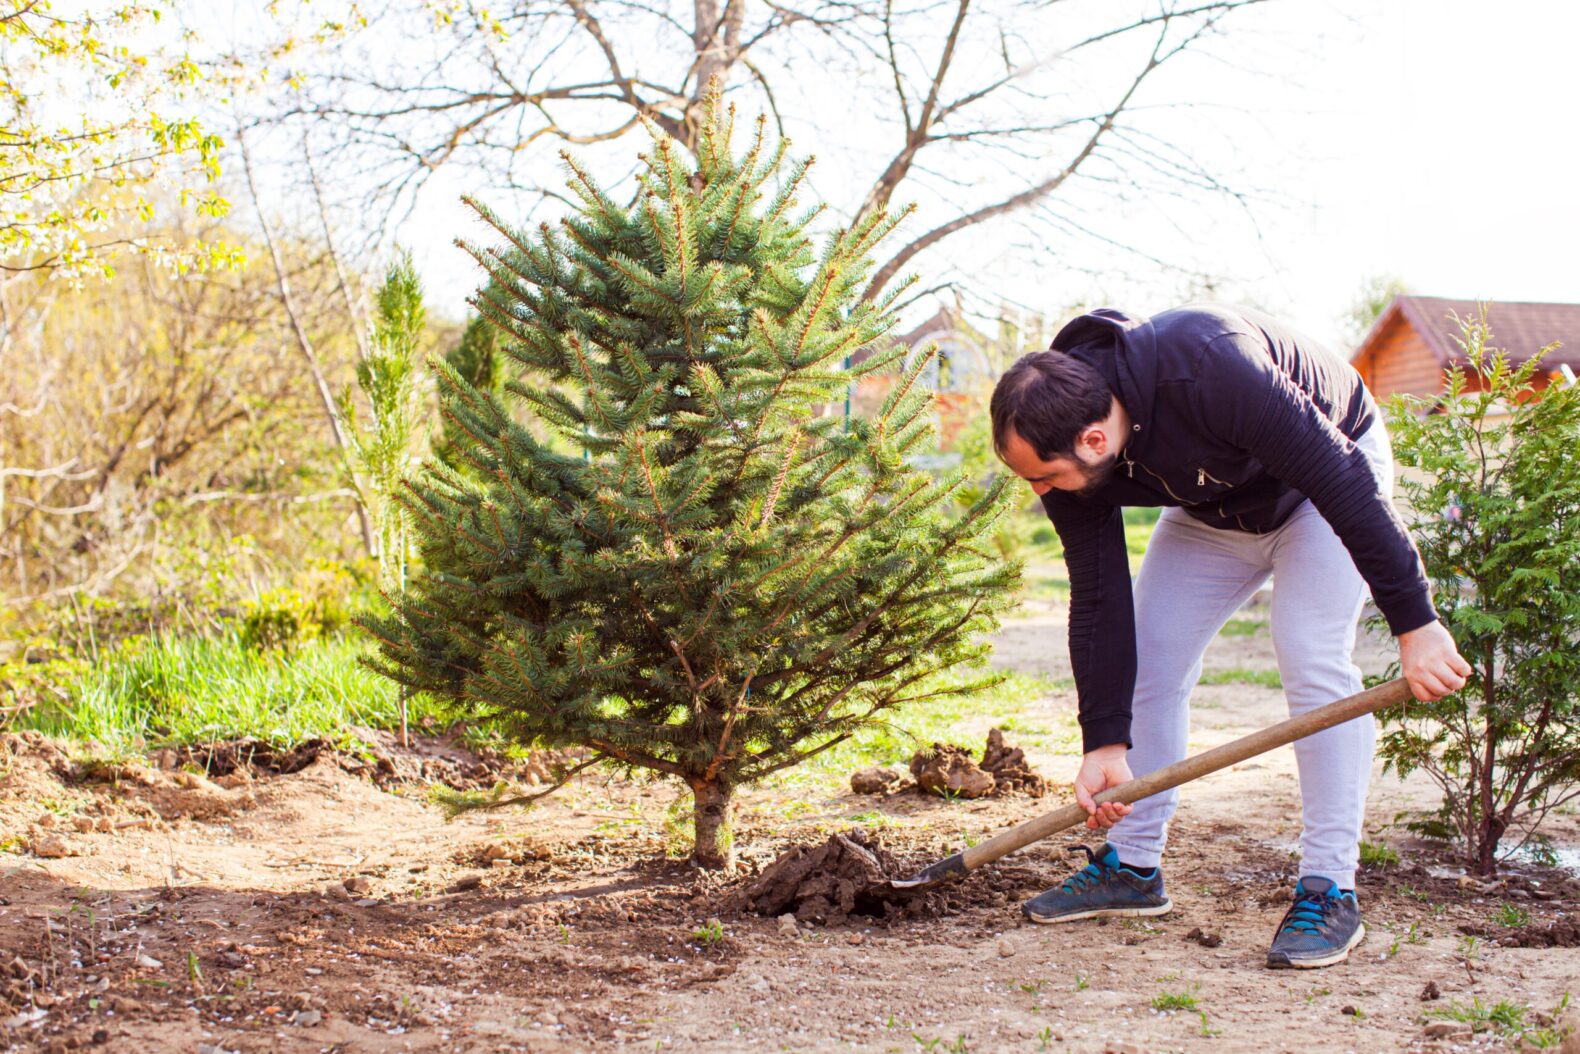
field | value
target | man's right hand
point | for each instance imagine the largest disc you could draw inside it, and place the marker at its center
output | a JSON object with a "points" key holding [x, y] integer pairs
{"points": [[1102, 768]]}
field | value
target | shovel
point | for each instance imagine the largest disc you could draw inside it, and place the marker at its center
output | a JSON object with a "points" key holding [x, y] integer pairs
{"points": [[1390, 693]]}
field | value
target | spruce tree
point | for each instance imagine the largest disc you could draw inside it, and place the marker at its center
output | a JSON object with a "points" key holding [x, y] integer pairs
{"points": [[720, 580], [476, 358]]}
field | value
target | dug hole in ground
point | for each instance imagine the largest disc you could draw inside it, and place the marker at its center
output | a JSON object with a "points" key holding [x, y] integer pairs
{"points": [[315, 901]]}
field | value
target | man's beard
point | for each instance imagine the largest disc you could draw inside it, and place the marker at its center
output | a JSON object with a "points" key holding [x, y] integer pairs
{"points": [[1095, 476]]}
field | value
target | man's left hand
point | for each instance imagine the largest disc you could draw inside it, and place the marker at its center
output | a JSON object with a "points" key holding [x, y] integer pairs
{"points": [[1431, 663]]}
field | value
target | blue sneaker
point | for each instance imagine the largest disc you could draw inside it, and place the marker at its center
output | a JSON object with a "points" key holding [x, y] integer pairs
{"points": [[1320, 927], [1103, 887]]}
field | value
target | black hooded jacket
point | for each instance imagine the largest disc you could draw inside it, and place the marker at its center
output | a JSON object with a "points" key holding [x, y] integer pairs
{"points": [[1237, 419]]}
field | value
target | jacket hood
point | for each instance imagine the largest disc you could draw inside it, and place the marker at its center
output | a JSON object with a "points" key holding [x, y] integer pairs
{"points": [[1124, 348]]}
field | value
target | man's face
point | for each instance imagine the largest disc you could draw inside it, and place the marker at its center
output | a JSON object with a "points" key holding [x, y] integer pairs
{"points": [[1083, 473]]}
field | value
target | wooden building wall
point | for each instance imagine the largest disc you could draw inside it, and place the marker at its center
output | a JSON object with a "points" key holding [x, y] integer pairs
{"points": [[1400, 361]]}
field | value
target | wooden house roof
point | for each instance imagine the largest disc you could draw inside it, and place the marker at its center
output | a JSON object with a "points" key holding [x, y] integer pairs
{"points": [[1520, 328]]}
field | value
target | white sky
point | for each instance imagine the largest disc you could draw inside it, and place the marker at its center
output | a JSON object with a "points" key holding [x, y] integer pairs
{"points": [[1437, 141]]}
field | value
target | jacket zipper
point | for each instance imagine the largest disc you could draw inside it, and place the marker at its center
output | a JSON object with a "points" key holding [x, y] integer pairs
{"points": [[1202, 477], [1163, 481]]}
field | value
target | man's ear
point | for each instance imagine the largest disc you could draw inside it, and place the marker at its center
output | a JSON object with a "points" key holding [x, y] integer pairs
{"points": [[1093, 440]]}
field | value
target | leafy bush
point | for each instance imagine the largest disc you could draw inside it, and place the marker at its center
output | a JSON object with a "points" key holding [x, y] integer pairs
{"points": [[1495, 509]]}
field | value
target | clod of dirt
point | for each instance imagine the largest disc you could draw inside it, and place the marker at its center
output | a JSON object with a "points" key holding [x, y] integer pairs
{"points": [[1011, 771], [1203, 938], [948, 771], [849, 875], [1431, 992], [1560, 933], [846, 875], [874, 780], [49, 846]]}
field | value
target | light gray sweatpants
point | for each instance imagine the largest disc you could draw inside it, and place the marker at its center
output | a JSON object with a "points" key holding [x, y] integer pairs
{"points": [[1192, 578]]}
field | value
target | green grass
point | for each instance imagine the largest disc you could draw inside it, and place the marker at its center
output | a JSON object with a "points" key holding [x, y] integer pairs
{"points": [[1166, 1001], [1511, 915], [168, 691], [1241, 675], [1504, 1015], [1242, 627], [1374, 854]]}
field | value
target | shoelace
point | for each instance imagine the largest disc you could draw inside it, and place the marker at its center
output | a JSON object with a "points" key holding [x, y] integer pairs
{"points": [[1089, 875], [1308, 914]]}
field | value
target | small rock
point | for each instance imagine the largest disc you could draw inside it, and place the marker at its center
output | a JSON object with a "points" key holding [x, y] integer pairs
{"points": [[495, 852], [357, 884], [1203, 938], [549, 1018], [101, 1036], [1431, 992], [874, 780], [1475, 887], [306, 1018], [83, 824], [1116, 1047], [50, 846], [854, 938], [46, 821], [1349, 1011], [1444, 1029], [366, 902], [1005, 949], [148, 962], [787, 926], [213, 1048], [469, 882]]}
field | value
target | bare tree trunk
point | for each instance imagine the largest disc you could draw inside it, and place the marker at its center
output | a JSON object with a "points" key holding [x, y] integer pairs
{"points": [[303, 344], [715, 839]]}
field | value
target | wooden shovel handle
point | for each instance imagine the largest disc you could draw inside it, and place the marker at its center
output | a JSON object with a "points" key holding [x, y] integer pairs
{"points": [[1390, 693]]}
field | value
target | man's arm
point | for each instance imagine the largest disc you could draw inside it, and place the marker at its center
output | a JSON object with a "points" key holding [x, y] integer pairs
{"points": [[1102, 643], [1247, 401], [1102, 616]]}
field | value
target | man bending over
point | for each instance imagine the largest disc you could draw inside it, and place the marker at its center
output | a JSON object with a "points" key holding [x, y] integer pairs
{"points": [[1271, 459]]}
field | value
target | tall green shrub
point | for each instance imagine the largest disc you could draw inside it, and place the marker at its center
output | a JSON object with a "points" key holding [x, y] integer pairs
{"points": [[1495, 509], [717, 582]]}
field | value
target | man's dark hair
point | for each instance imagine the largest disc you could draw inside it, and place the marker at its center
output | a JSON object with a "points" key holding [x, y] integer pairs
{"points": [[1048, 397]]}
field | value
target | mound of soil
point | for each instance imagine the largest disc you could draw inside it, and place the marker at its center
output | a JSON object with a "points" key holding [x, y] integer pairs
{"points": [[848, 876], [253, 756], [948, 770], [1560, 933], [1011, 771]]}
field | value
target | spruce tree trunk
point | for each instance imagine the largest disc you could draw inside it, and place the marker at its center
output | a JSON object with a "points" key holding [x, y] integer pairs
{"points": [[714, 840]]}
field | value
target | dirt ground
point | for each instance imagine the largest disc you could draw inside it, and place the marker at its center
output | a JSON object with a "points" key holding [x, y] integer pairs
{"points": [[315, 911]]}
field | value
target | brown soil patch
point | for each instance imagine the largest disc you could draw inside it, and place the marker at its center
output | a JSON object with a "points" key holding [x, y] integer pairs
{"points": [[317, 917]]}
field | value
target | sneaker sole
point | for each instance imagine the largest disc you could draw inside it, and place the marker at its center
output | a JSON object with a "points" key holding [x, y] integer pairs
{"points": [[1327, 960], [1102, 913]]}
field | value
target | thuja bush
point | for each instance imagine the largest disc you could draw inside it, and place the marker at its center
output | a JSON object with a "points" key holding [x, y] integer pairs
{"points": [[1495, 509], [706, 576]]}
